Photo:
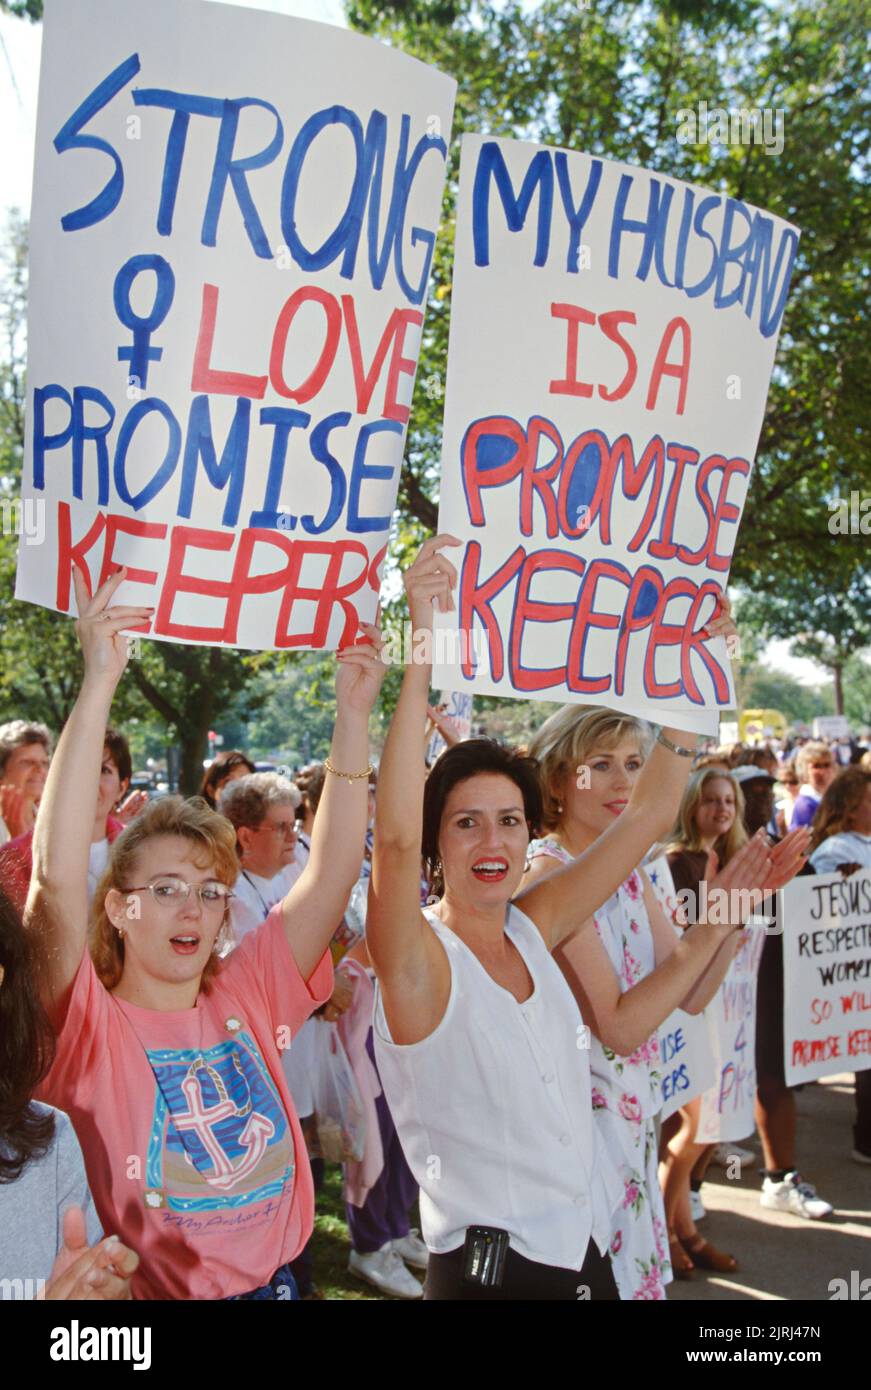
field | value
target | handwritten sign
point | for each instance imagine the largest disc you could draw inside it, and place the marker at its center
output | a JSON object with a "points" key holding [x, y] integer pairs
{"points": [[234, 216], [458, 708], [684, 1043], [612, 336], [826, 975], [727, 1108]]}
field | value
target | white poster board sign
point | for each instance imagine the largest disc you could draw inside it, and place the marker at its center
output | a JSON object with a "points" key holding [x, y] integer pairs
{"points": [[612, 337], [826, 975], [727, 1107], [233, 223], [686, 1057], [831, 726], [458, 708]]}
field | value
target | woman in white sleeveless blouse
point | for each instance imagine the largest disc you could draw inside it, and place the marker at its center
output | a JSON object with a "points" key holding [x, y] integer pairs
{"points": [[480, 1044]]}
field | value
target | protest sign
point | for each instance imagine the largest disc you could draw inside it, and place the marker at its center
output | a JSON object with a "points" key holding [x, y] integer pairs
{"points": [[826, 975], [831, 726], [727, 1107], [457, 707], [233, 223], [612, 337], [687, 1061]]}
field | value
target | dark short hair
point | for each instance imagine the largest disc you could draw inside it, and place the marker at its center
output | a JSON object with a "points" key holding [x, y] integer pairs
{"points": [[119, 750], [468, 759], [218, 771]]}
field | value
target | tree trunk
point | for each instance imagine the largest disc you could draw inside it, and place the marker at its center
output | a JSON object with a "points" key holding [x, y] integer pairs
{"points": [[194, 744], [838, 674]]}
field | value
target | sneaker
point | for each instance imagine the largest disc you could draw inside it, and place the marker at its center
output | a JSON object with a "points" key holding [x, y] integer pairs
{"points": [[412, 1250], [384, 1269], [796, 1196], [697, 1206], [860, 1157], [724, 1154]]}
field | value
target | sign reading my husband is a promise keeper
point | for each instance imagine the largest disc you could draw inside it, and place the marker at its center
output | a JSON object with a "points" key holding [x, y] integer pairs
{"points": [[826, 975], [612, 338], [233, 223]]}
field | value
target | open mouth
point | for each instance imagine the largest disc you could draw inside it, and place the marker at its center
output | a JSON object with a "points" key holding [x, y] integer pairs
{"points": [[490, 870], [616, 806], [186, 945]]}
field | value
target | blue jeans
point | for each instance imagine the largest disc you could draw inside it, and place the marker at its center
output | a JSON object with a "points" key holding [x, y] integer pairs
{"points": [[282, 1285]]}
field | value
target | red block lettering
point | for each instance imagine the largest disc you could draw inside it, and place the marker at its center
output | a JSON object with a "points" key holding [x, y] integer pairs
{"points": [[205, 377]]}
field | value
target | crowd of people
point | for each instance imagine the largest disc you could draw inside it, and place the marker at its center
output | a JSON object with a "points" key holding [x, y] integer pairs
{"points": [[450, 978]]}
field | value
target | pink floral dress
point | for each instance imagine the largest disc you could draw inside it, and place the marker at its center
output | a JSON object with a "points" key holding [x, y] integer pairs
{"points": [[626, 1098]]}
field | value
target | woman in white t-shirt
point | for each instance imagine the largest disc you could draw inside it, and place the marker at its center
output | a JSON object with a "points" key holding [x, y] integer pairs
{"points": [[480, 1043], [842, 826]]}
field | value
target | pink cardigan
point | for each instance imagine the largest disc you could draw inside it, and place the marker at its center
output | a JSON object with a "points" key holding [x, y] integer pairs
{"points": [[354, 1027]]}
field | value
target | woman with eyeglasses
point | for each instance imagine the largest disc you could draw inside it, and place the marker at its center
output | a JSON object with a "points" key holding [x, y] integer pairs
{"points": [[262, 810], [168, 1057]]}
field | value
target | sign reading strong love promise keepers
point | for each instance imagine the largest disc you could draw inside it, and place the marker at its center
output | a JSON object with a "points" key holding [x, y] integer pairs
{"points": [[612, 338], [233, 223]]}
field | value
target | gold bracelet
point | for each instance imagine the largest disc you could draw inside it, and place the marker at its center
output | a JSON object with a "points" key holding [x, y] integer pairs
{"points": [[348, 776]]}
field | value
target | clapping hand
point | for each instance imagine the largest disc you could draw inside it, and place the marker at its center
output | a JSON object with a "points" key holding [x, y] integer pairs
{"points": [[93, 1272], [17, 810]]}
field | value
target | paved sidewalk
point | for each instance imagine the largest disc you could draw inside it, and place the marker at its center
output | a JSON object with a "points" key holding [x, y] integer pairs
{"points": [[781, 1256]]}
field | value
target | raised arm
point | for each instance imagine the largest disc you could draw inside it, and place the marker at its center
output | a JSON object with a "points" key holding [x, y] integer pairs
{"points": [[556, 902], [57, 904], [408, 959], [623, 1020], [316, 903], [579, 889]]}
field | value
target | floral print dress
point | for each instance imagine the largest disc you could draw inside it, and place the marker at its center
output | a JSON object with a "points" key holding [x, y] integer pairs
{"points": [[626, 1098]]}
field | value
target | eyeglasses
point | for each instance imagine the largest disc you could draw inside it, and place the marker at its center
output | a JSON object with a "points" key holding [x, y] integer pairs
{"points": [[169, 892], [285, 828]]}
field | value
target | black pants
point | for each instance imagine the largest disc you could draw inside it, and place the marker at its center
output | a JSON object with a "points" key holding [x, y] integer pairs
{"points": [[862, 1127], [523, 1279]]}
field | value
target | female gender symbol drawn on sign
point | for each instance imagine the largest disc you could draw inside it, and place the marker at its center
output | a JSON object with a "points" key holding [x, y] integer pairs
{"points": [[140, 352]]}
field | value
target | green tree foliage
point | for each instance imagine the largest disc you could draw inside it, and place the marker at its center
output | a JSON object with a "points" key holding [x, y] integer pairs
{"points": [[610, 78], [23, 9], [829, 625]]}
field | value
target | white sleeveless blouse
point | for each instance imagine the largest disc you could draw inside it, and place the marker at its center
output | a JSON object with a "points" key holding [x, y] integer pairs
{"points": [[494, 1110]]}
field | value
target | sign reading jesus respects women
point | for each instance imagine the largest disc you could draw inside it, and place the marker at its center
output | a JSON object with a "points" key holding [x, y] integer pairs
{"points": [[233, 223], [612, 337], [827, 975]]}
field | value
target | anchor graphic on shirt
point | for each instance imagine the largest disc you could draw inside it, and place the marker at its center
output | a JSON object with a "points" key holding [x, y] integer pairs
{"points": [[202, 1120]]}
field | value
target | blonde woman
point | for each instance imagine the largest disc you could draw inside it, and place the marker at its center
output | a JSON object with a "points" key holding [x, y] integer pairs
{"points": [[708, 835], [169, 1058], [816, 768], [623, 973]]}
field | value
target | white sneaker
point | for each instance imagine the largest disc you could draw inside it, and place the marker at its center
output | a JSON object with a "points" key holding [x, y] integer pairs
{"points": [[412, 1250], [724, 1154], [796, 1196], [697, 1206], [384, 1269]]}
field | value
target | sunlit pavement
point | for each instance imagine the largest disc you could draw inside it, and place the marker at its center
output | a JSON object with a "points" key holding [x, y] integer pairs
{"points": [[781, 1256]]}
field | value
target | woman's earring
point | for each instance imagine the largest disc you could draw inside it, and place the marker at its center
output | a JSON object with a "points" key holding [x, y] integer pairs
{"points": [[559, 808], [120, 931]]}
